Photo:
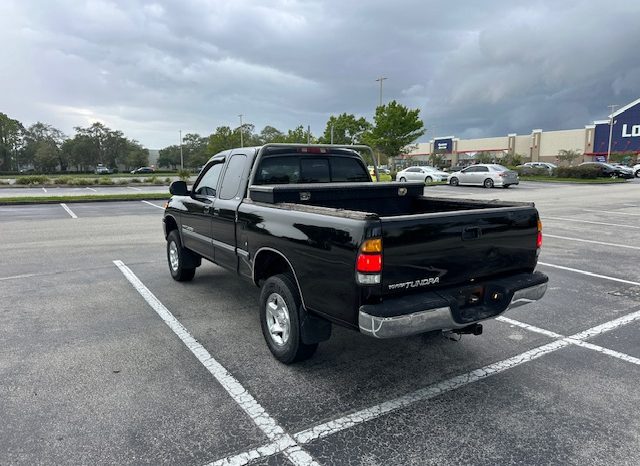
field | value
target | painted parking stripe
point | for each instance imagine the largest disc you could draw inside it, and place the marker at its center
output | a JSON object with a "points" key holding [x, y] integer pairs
{"points": [[43, 188], [245, 400], [590, 274], [92, 189], [69, 211], [351, 420], [611, 212], [590, 222], [607, 351], [547, 235], [15, 277], [160, 207], [135, 189]]}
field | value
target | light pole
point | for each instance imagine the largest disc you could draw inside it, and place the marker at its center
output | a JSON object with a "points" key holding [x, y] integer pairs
{"points": [[241, 137], [613, 108], [380, 80], [181, 157]]}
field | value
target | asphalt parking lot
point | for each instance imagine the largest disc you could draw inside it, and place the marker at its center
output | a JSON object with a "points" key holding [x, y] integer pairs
{"points": [[84, 190], [105, 359]]}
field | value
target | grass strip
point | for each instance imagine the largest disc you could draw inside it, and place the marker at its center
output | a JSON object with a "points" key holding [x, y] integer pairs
{"points": [[83, 198]]}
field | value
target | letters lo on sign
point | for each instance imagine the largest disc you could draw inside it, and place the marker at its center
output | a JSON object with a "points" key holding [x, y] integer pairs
{"points": [[632, 132]]}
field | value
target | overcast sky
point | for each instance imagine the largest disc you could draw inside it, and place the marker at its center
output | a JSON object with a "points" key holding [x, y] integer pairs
{"points": [[475, 69]]}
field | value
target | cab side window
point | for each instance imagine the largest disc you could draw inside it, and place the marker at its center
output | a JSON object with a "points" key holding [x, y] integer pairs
{"points": [[209, 182]]}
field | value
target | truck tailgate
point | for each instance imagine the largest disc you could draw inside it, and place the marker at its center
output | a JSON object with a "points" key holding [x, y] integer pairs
{"points": [[438, 250]]}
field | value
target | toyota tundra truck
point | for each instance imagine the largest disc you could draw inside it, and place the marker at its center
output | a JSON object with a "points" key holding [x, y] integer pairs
{"points": [[329, 246]]}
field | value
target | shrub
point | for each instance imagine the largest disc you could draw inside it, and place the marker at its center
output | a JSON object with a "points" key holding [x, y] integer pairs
{"points": [[167, 180], [32, 179], [531, 171], [184, 175], [105, 181], [63, 180], [135, 180], [578, 172], [81, 181]]}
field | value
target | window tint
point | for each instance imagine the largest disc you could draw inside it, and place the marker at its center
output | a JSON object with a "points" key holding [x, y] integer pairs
{"points": [[347, 169], [315, 171], [209, 182], [293, 169], [482, 169], [470, 170], [413, 170], [231, 180]]}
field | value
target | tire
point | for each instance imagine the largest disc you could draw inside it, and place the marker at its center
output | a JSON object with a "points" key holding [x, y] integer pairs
{"points": [[177, 256], [488, 183], [402, 179], [454, 181], [637, 174], [506, 186], [428, 179], [280, 320]]}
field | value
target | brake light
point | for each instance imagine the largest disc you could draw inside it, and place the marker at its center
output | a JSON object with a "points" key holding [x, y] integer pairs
{"points": [[539, 239], [503, 174], [312, 150], [369, 262]]}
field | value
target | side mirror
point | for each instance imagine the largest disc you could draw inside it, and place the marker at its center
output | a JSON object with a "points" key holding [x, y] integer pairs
{"points": [[179, 188]]}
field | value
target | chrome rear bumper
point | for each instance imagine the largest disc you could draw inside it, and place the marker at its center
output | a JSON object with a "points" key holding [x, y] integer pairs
{"points": [[440, 318]]}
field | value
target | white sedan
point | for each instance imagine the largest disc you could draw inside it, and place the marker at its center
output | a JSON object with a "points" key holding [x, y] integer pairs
{"points": [[426, 174], [487, 175]]}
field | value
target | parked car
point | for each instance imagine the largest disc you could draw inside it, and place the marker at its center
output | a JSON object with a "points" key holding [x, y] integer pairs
{"points": [[608, 170], [307, 226], [424, 173], [487, 175], [636, 170], [103, 171], [143, 170], [539, 166]]}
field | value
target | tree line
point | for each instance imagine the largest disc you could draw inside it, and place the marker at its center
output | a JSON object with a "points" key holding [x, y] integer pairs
{"points": [[47, 149], [393, 129]]}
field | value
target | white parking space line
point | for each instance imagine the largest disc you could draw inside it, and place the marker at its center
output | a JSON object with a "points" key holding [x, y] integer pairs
{"points": [[43, 188], [160, 207], [238, 393], [69, 211], [135, 189], [607, 351], [14, 277], [547, 235], [92, 189], [611, 212], [531, 328], [592, 223], [590, 274]]}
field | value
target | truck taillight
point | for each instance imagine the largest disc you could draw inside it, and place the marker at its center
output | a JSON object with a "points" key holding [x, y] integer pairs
{"points": [[539, 239], [369, 262]]}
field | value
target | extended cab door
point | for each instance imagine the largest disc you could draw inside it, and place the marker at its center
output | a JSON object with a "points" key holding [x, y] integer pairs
{"points": [[196, 221], [225, 207]]}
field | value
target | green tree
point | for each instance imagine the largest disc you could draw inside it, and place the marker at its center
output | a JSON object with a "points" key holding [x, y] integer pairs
{"points": [[35, 136], [484, 157], [347, 129], [436, 160], [81, 152], [136, 155], [194, 150], [46, 157], [11, 143], [512, 159], [224, 138], [395, 128], [169, 157], [569, 155], [270, 134], [299, 136]]}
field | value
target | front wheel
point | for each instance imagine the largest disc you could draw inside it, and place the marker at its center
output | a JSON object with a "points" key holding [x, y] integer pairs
{"points": [[454, 181], [179, 258], [506, 186], [488, 183], [402, 179], [428, 179], [637, 174], [280, 320]]}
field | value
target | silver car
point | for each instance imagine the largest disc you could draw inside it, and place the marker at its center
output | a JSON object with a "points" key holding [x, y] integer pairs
{"points": [[487, 175], [426, 174]]}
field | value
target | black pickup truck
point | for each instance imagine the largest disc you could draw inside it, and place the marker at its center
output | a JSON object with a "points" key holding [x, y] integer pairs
{"points": [[329, 246]]}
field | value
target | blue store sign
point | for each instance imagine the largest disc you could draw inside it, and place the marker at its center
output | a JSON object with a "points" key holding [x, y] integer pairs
{"points": [[443, 146], [625, 134]]}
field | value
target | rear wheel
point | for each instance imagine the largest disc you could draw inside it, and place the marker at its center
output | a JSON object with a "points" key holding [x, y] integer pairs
{"points": [[506, 186], [179, 258], [280, 320], [488, 183], [454, 181], [428, 179], [402, 179], [637, 173]]}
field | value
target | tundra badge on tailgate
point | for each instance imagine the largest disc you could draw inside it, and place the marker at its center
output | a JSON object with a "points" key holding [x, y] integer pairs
{"points": [[415, 283]]}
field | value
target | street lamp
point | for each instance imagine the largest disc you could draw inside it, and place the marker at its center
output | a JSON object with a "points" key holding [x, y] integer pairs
{"points": [[241, 137], [612, 107], [380, 80], [181, 157]]}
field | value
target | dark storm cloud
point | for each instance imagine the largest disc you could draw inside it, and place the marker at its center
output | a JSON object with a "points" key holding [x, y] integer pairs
{"points": [[474, 68]]}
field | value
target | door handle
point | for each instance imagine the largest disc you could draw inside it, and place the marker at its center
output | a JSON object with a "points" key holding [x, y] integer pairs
{"points": [[470, 233]]}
